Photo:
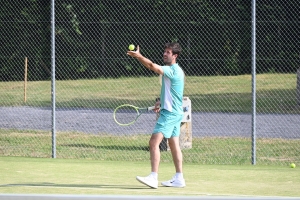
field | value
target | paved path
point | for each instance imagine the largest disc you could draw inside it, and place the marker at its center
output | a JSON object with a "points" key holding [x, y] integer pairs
{"points": [[101, 121]]}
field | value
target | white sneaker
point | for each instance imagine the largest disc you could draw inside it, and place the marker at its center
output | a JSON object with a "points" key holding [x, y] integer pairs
{"points": [[148, 180], [174, 182]]}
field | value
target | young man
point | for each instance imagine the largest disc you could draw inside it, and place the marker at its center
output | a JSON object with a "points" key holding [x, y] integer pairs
{"points": [[171, 113]]}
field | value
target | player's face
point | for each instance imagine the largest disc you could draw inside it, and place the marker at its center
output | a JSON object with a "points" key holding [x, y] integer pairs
{"points": [[169, 57]]}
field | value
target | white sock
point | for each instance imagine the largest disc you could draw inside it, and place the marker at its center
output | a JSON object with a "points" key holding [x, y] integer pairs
{"points": [[179, 175], [154, 174]]}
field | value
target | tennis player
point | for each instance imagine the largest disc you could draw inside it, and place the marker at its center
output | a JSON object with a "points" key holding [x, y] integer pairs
{"points": [[171, 114]]}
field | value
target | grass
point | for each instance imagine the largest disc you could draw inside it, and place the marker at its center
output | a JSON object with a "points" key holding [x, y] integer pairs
{"points": [[276, 93], [86, 163], [209, 150], [93, 177]]}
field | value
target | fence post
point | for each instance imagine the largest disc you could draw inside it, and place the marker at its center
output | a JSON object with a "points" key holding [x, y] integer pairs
{"points": [[298, 87], [185, 138], [53, 78], [253, 82]]}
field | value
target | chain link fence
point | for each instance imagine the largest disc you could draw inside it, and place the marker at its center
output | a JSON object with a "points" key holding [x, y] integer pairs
{"points": [[94, 75]]}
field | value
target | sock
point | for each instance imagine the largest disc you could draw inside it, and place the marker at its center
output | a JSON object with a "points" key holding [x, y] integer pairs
{"points": [[179, 175], [154, 174]]}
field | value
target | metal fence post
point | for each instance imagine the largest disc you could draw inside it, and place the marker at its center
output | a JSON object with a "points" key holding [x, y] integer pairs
{"points": [[53, 77], [253, 83]]}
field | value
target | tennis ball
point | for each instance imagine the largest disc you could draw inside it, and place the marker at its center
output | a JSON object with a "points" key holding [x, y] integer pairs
{"points": [[292, 165], [131, 47]]}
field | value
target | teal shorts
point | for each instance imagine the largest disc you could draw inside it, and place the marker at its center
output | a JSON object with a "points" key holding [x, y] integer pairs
{"points": [[168, 124]]}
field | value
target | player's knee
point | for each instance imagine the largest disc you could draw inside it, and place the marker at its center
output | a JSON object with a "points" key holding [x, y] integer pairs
{"points": [[155, 140], [152, 143]]}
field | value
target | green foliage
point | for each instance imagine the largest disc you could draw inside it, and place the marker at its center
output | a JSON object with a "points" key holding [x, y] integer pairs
{"points": [[92, 37], [24, 33]]}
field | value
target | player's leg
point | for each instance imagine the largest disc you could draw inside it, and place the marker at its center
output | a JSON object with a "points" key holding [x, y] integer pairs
{"points": [[152, 179], [177, 180], [176, 153], [154, 142]]}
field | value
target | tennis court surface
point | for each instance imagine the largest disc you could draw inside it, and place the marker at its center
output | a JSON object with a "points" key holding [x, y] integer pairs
{"points": [[115, 197]]}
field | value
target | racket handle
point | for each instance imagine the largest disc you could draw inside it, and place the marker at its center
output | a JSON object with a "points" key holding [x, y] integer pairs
{"points": [[151, 108]]}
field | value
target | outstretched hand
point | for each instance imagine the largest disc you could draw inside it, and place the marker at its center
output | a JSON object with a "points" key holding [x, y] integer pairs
{"points": [[134, 54]]}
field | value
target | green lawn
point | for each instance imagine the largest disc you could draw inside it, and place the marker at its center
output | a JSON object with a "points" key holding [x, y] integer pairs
{"points": [[66, 176], [210, 150], [275, 93]]}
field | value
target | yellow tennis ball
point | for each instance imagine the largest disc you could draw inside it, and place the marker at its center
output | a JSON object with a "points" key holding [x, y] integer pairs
{"points": [[292, 165], [131, 47]]}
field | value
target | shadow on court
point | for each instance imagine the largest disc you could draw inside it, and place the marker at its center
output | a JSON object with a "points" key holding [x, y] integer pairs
{"points": [[60, 185]]}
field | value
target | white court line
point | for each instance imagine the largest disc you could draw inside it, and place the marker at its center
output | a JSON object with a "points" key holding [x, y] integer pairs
{"points": [[117, 197], [132, 189]]}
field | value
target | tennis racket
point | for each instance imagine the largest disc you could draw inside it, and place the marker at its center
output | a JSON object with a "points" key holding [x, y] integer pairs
{"points": [[127, 114]]}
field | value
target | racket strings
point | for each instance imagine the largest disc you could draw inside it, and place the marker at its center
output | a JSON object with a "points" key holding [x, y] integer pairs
{"points": [[126, 115]]}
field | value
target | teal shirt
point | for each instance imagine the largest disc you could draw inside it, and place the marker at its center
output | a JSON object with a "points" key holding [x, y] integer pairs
{"points": [[172, 89]]}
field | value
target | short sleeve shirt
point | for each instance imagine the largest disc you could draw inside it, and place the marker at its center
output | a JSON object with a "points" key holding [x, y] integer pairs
{"points": [[172, 88]]}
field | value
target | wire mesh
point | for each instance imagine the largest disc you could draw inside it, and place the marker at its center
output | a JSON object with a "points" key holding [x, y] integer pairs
{"points": [[94, 75]]}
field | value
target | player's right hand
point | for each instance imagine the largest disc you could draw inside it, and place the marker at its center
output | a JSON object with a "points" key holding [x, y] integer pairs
{"points": [[157, 106], [134, 54]]}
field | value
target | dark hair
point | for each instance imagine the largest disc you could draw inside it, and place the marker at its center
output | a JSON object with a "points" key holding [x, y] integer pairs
{"points": [[176, 48]]}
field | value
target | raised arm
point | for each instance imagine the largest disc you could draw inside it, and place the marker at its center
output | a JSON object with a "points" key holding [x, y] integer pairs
{"points": [[145, 61]]}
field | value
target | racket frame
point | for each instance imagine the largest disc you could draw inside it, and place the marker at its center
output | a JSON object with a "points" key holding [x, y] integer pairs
{"points": [[139, 112]]}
